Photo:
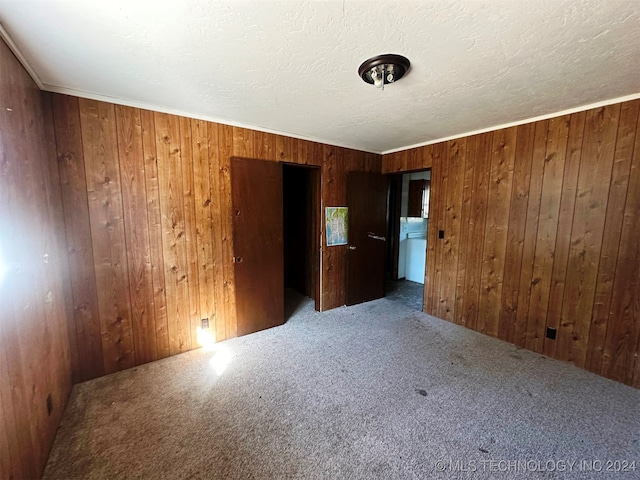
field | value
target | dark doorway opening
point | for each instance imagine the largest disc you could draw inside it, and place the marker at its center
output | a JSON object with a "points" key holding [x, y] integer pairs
{"points": [[301, 199]]}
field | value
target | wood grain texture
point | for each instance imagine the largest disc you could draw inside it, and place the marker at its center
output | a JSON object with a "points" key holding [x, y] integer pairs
{"points": [[191, 227], [154, 217], [622, 343], [530, 232], [480, 146], [174, 247], [60, 260], [104, 195], [465, 240], [495, 239], [334, 194], [546, 236], [225, 151], [573, 259], [205, 281], [554, 159], [453, 211], [78, 233], [429, 303], [441, 171], [516, 232], [626, 139], [565, 221], [216, 233], [587, 231], [35, 293], [134, 199], [157, 236]]}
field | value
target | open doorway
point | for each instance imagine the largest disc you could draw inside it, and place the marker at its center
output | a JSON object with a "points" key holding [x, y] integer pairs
{"points": [[301, 201], [408, 217]]}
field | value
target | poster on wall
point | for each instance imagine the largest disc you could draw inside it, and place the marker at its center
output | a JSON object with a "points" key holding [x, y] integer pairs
{"points": [[336, 225]]}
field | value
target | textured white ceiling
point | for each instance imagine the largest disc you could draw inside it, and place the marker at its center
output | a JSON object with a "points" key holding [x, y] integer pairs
{"points": [[291, 66]]}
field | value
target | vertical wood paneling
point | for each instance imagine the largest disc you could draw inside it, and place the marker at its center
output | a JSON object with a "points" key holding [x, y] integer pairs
{"points": [[78, 230], [316, 155], [203, 221], [516, 232], [547, 230], [107, 233], [452, 212], [60, 257], [565, 220], [154, 250], [333, 258], [530, 232], [531, 239], [477, 222], [154, 217], [35, 355], [546, 236], [622, 343], [402, 161], [9, 460], [587, 230], [265, 146], [626, 139], [134, 199], [414, 159], [225, 151], [174, 246], [429, 302], [18, 185], [243, 142], [495, 238], [465, 240], [302, 157], [284, 148], [441, 167], [190, 226], [216, 233]]}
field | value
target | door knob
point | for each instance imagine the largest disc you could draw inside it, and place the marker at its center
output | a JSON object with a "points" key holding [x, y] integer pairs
{"points": [[352, 247]]}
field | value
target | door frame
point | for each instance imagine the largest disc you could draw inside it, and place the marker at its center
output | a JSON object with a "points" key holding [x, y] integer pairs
{"points": [[394, 204], [394, 215], [315, 181]]}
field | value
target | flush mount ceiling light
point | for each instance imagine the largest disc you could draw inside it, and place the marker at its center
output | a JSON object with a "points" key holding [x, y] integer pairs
{"points": [[383, 69]]}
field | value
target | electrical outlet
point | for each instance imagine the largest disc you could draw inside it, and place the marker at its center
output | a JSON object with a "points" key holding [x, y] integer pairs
{"points": [[49, 404], [551, 333], [205, 323]]}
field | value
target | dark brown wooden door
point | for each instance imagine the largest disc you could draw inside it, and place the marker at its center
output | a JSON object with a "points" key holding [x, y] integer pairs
{"points": [[367, 202], [256, 196]]}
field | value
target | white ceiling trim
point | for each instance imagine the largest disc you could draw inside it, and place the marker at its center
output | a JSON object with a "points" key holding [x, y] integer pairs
{"points": [[16, 51], [156, 108], [569, 111], [184, 113], [146, 106]]}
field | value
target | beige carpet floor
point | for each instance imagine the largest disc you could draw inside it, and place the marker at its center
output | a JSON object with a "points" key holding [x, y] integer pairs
{"points": [[376, 390]]}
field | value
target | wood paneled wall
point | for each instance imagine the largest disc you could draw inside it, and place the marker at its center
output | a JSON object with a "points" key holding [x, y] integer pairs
{"points": [[34, 345], [542, 230], [148, 221]]}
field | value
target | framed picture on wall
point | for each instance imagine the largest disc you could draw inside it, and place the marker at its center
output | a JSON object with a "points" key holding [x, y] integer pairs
{"points": [[337, 221]]}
